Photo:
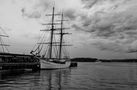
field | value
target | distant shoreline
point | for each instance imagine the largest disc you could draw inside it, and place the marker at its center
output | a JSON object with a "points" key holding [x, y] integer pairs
{"points": [[102, 60]]}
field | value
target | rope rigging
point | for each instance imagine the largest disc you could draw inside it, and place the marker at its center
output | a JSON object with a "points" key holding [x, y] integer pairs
{"points": [[55, 48], [2, 44]]}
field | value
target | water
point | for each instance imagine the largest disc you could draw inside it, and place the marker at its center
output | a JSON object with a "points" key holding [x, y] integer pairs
{"points": [[87, 76]]}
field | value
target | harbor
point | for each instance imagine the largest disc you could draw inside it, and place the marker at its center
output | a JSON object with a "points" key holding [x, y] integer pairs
{"points": [[68, 45], [10, 61], [52, 58]]}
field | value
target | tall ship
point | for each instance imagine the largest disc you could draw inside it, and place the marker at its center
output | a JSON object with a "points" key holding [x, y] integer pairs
{"points": [[3, 46], [54, 55]]}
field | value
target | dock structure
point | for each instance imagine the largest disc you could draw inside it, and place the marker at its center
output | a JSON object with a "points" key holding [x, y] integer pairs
{"points": [[10, 61]]}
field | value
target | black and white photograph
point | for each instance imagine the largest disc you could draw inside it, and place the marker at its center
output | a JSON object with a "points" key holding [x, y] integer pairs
{"points": [[68, 44]]}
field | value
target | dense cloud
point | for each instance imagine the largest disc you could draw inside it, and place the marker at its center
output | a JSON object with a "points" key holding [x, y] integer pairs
{"points": [[112, 23]]}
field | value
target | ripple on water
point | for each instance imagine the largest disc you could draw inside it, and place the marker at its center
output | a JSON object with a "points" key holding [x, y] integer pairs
{"points": [[87, 76]]}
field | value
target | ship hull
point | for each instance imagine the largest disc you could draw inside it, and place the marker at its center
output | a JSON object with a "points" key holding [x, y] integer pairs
{"points": [[52, 65]]}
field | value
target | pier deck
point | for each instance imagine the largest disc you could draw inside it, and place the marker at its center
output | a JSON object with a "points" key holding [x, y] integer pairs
{"points": [[18, 61]]}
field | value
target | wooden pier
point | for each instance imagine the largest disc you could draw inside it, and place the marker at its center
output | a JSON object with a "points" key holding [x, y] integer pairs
{"points": [[10, 61]]}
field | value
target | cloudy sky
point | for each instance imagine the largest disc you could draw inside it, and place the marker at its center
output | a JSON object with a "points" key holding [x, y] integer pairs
{"points": [[100, 28]]}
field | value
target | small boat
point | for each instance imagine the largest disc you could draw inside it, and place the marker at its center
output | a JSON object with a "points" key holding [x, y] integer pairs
{"points": [[53, 57]]}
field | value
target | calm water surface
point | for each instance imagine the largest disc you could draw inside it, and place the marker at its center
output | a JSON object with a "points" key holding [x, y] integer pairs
{"points": [[87, 76]]}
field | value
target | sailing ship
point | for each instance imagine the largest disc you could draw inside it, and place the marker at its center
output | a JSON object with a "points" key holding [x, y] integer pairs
{"points": [[3, 46], [53, 55]]}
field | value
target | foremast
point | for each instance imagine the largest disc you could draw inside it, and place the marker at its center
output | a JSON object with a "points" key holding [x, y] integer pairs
{"points": [[52, 32]]}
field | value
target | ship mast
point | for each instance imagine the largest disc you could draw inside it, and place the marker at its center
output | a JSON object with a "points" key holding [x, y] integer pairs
{"points": [[51, 42], [61, 37], [52, 32], [61, 33]]}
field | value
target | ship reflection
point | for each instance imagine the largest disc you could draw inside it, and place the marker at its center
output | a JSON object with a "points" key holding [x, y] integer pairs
{"points": [[55, 79]]}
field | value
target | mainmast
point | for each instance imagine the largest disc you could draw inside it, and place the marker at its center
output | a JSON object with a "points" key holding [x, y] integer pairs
{"points": [[61, 36]]}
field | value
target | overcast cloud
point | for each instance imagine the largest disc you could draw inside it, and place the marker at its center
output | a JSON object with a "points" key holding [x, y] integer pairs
{"points": [[107, 25]]}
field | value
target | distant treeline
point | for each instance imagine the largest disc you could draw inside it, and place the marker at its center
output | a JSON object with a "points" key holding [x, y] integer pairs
{"points": [[84, 59], [119, 60], [102, 60]]}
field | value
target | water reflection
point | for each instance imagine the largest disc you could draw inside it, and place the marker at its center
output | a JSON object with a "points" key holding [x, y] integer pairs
{"points": [[43, 80], [87, 76], [132, 80], [55, 79]]}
